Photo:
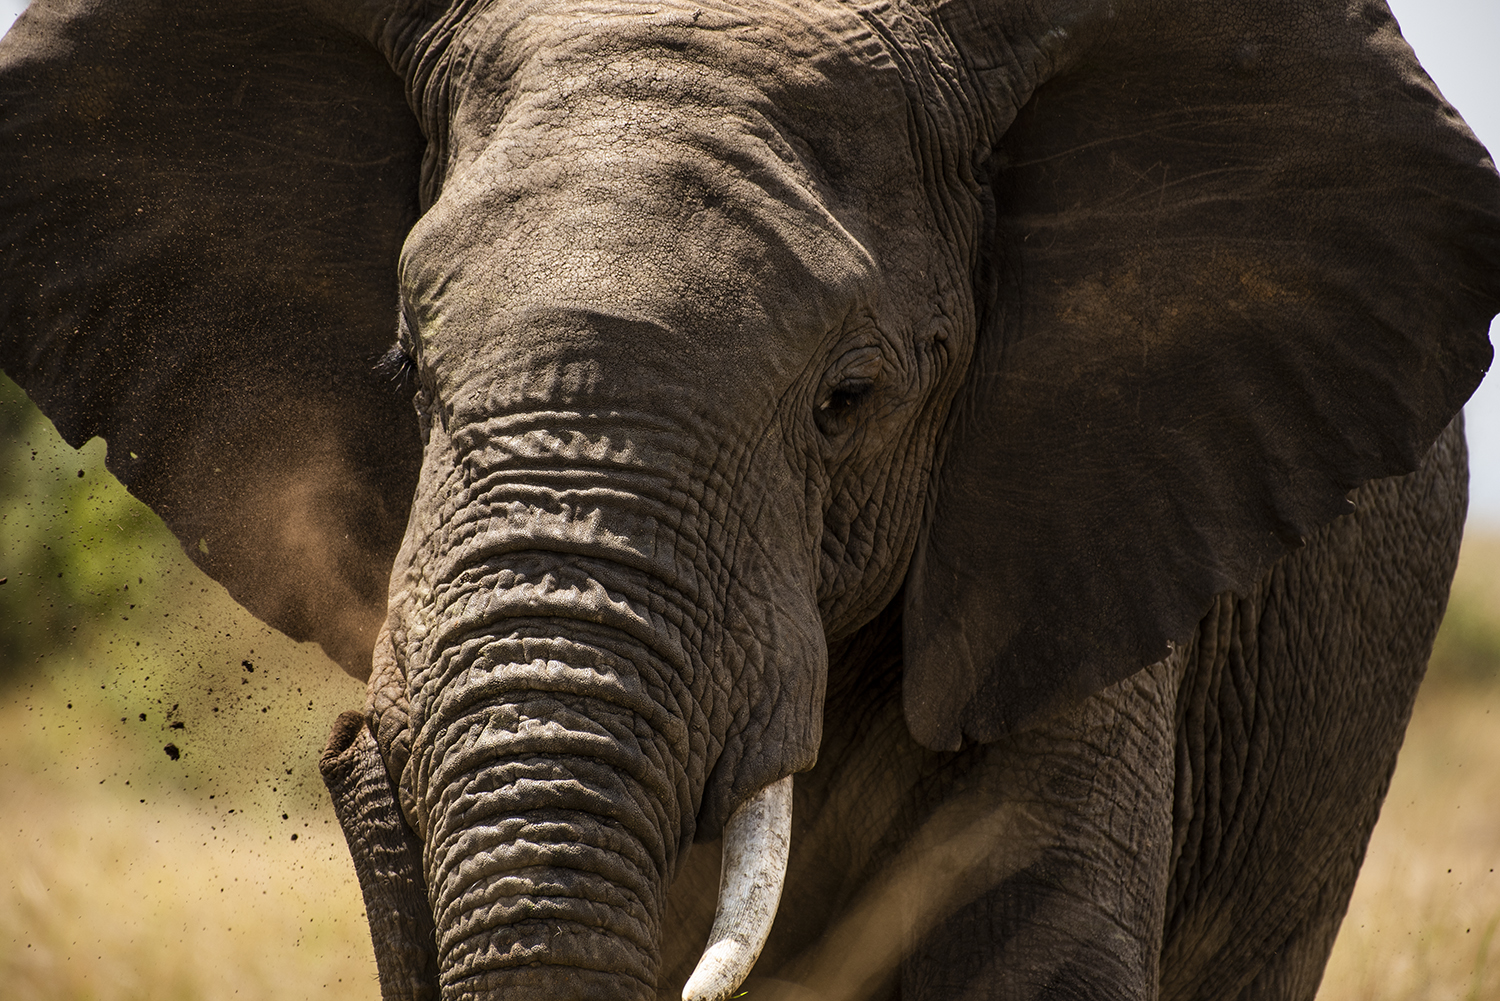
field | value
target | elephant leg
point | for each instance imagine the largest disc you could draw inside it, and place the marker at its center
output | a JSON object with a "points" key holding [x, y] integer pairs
{"points": [[1297, 966], [1033, 867], [1055, 858], [1291, 714]]}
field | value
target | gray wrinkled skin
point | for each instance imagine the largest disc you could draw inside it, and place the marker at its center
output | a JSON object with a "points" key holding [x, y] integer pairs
{"points": [[1030, 425], [645, 507]]}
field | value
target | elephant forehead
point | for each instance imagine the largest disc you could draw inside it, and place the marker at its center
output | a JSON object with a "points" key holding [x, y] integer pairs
{"points": [[728, 55], [668, 157], [711, 236]]}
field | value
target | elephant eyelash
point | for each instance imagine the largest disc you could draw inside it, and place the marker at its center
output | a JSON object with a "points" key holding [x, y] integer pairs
{"points": [[399, 367]]}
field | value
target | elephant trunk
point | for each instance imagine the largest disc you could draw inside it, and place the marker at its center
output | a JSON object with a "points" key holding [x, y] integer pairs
{"points": [[388, 860], [551, 807], [572, 685]]}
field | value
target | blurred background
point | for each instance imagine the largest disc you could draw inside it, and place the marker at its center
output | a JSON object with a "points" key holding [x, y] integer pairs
{"points": [[166, 834]]}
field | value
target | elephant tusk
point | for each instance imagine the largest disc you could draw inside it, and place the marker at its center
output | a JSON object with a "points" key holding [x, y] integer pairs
{"points": [[756, 842]]}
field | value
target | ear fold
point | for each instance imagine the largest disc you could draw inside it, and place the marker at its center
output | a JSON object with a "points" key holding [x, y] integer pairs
{"points": [[200, 213], [1245, 260]]}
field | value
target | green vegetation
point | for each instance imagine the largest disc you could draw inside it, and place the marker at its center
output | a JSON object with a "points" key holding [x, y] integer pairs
{"points": [[76, 551], [166, 832]]}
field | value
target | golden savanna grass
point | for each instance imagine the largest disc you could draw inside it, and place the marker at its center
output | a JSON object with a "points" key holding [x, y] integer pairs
{"points": [[1424, 922], [130, 875]]}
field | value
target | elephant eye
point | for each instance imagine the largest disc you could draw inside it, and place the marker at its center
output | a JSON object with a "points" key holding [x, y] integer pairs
{"points": [[841, 402], [848, 394]]}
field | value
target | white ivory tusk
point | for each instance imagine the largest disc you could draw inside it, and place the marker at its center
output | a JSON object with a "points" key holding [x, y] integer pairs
{"points": [[756, 842]]}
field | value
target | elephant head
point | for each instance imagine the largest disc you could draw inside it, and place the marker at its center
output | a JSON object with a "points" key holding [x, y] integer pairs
{"points": [[728, 327]]}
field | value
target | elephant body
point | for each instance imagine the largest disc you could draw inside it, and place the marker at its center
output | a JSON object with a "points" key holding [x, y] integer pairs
{"points": [[921, 874], [983, 474]]}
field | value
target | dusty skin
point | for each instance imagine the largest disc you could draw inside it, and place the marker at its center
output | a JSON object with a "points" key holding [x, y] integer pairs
{"points": [[951, 404], [208, 897]]}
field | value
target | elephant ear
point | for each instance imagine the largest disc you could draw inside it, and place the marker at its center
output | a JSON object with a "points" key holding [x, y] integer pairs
{"points": [[1243, 260], [201, 205]]}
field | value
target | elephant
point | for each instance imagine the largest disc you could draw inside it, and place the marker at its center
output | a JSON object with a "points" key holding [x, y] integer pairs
{"points": [[920, 498]]}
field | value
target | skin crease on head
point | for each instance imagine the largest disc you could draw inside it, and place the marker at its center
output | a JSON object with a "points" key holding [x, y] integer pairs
{"points": [[682, 376]]}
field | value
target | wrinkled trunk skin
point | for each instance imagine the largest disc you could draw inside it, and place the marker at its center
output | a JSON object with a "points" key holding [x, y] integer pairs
{"points": [[552, 825], [604, 631], [545, 709], [546, 853], [548, 777], [545, 836]]}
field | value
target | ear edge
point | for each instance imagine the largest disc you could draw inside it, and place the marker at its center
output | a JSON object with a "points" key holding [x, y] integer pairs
{"points": [[133, 307]]}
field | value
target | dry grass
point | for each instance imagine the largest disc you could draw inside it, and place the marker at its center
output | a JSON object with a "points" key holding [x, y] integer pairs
{"points": [[1423, 921], [108, 899], [129, 876], [1425, 916]]}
